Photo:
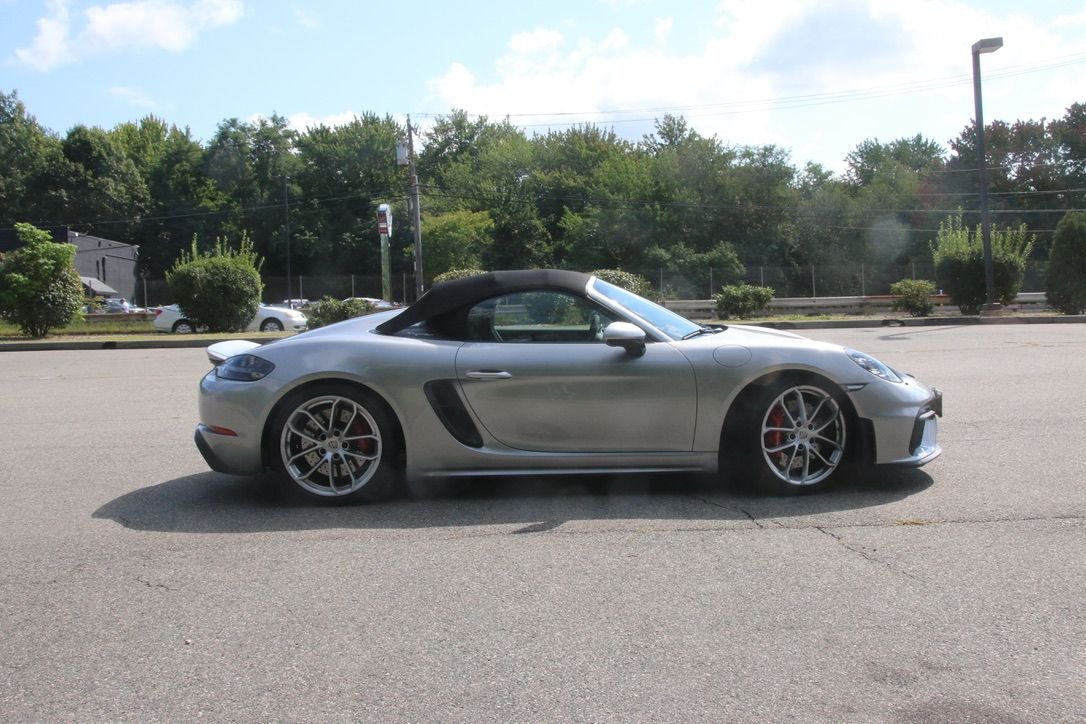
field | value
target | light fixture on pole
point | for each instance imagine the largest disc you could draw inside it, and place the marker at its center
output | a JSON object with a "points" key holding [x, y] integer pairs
{"points": [[991, 306]]}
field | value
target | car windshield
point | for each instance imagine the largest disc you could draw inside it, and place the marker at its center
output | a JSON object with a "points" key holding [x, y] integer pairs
{"points": [[665, 320]]}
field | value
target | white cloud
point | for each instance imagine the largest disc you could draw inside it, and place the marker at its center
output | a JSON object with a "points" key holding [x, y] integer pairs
{"points": [[306, 18], [536, 41], [815, 76], [120, 26], [51, 46], [132, 96], [662, 29], [303, 121]]}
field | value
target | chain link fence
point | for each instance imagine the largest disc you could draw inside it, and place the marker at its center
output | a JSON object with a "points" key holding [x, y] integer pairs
{"points": [[814, 281]]}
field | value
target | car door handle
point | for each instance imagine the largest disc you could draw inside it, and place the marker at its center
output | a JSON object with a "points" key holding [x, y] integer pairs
{"points": [[488, 375]]}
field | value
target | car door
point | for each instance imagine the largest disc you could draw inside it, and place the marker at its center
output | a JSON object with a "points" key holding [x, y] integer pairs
{"points": [[539, 378]]}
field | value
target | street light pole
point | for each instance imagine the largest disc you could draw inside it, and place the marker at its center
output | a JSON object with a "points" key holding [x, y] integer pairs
{"points": [[415, 209], [991, 306], [286, 214]]}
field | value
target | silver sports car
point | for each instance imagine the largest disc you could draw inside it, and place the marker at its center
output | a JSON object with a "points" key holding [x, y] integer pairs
{"points": [[544, 371]]}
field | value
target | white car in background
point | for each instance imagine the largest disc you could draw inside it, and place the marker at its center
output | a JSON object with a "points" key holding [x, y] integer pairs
{"points": [[169, 318]]}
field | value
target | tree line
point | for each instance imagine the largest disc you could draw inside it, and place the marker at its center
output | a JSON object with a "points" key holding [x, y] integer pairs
{"points": [[493, 197]]}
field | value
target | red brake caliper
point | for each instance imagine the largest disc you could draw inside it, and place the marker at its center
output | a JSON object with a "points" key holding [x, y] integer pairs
{"points": [[774, 438], [358, 429]]}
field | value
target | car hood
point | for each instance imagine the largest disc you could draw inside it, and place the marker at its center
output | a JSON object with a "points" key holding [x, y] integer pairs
{"points": [[755, 338]]}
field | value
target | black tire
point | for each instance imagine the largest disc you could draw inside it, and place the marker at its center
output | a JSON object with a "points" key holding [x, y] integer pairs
{"points": [[795, 436], [183, 326], [271, 325], [343, 447]]}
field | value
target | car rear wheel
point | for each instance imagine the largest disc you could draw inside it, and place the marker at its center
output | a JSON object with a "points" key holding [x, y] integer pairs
{"points": [[795, 438], [337, 442], [271, 325], [183, 326]]}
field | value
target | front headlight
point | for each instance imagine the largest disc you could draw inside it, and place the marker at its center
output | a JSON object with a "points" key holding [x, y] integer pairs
{"points": [[872, 365], [244, 368]]}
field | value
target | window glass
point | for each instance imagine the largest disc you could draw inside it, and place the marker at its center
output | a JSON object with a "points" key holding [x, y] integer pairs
{"points": [[542, 316], [665, 320]]}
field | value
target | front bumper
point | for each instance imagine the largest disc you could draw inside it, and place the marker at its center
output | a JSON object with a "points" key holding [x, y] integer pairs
{"points": [[903, 422], [924, 440]]}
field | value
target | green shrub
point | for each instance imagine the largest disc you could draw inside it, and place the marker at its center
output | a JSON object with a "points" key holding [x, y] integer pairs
{"points": [[742, 301], [328, 311], [629, 281], [914, 296], [457, 274], [219, 289], [40, 289], [959, 263], [1065, 282]]}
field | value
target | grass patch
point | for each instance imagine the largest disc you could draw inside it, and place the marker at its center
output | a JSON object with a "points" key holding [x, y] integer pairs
{"points": [[123, 329]]}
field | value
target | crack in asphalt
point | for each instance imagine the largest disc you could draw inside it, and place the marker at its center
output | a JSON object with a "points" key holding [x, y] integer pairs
{"points": [[864, 553], [150, 584]]}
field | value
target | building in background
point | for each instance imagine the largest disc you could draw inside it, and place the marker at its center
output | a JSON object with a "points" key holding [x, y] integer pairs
{"points": [[107, 267]]}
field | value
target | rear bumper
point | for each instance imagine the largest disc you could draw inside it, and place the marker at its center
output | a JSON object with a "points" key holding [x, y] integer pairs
{"points": [[223, 453]]}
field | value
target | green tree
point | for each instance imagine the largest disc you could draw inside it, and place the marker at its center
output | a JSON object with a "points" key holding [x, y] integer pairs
{"points": [[1065, 283], [219, 289], [184, 200], [103, 188], [959, 262], [40, 289], [457, 274], [342, 174], [456, 240], [28, 152]]}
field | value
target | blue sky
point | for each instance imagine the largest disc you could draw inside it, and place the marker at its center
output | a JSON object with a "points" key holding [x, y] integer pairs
{"points": [[817, 77]]}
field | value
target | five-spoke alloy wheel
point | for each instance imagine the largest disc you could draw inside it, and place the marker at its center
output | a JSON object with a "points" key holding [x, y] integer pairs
{"points": [[803, 435], [336, 441], [794, 437]]}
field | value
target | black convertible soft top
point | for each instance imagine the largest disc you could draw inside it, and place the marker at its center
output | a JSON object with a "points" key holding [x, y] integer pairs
{"points": [[458, 293]]}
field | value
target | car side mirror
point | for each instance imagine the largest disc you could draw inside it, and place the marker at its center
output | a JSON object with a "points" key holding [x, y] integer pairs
{"points": [[628, 336]]}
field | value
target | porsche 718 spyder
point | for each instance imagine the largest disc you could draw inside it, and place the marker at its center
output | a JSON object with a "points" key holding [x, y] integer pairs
{"points": [[553, 372]]}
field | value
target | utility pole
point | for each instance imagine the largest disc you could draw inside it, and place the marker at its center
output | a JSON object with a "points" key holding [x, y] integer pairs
{"points": [[384, 229], [415, 210], [286, 214]]}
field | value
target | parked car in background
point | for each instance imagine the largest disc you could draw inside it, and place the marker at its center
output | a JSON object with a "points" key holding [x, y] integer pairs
{"points": [[169, 318], [294, 303], [116, 305]]}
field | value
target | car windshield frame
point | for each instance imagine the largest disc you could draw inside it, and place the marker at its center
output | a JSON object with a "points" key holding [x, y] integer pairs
{"points": [[674, 326]]}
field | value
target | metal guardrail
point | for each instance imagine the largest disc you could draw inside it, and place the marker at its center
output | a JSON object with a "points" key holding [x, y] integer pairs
{"points": [[871, 304]]}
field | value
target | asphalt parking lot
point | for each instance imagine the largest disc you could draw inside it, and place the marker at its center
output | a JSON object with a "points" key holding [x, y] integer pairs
{"points": [[139, 586]]}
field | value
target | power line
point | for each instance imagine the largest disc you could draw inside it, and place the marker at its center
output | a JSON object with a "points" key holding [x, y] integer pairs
{"points": [[723, 108]]}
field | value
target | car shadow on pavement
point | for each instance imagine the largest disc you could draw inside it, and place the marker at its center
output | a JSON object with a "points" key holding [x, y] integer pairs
{"points": [[215, 503]]}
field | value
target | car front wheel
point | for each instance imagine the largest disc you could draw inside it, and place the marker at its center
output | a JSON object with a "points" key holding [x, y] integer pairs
{"points": [[337, 442], [271, 325], [796, 437]]}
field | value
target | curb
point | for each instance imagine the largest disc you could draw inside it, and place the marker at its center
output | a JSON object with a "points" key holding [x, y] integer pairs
{"points": [[922, 322]]}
